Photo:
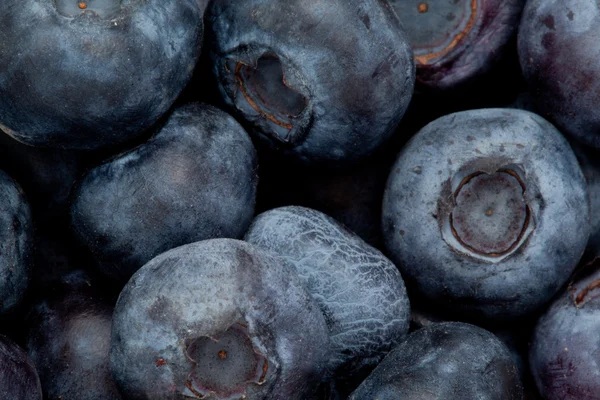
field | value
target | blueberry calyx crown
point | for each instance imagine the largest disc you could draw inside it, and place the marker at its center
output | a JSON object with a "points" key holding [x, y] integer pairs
{"points": [[259, 87], [489, 218], [224, 365]]}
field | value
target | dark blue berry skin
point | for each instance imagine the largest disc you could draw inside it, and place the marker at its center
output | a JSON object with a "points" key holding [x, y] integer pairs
{"points": [[322, 82], [360, 291], [194, 180], [558, 46], [69, 341], [476, 36], [199, 292], [18, 377], [93, 77], [589, 160], [565, 348], [16, 244], [486, 269], [452, 361]]}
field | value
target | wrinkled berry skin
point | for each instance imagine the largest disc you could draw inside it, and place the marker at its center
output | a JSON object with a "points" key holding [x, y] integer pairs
{"points": [[69, 341], [18, 377], [505, 276], [360, 291], [75, 78], [198, 291], [348, 73], [194, 180], [16, 244], [477, 35], [451, 360], [565, 347], [558, 52]]}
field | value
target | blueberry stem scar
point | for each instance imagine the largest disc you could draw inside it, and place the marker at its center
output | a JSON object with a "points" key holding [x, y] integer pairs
{"points": [[489, 212], [426, 58]]}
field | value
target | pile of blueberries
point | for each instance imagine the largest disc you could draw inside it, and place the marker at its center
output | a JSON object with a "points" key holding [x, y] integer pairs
{"points": [[299, 199]]}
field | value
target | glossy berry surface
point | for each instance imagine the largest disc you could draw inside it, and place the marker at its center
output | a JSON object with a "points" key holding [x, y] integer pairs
{"points": [[320, 82], [94, 73], [456, 41], [558, 50], [195, 179], [449, 360], [565, 348]]}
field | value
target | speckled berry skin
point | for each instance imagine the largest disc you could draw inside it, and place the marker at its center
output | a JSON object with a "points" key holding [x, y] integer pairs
{"points": [[200, 290], [558, 52], [360, 291], [420, 199], [194, 180], [16, 244], [452, 361], [565, 347], [84, 80], [348, 62]]}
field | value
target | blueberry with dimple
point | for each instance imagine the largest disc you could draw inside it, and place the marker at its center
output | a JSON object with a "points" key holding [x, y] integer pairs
{"points": [[565, 347], [486, 213], [217, 319], [359, 290], [452, 361], [18, 377], [558, 52], [455, 42], [16, 244], [69, 340], [320, 81], [93, 73], [194, 180]]}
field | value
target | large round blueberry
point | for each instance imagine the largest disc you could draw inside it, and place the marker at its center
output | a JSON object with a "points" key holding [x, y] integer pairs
{"points": [[457, 41], [565, 348], [69, 341], [321, 81], [486, 213], [451, 361], [93, 73], [217, 318], [558, 52], [194, 180], [18, 377], [359, 290], [16, 244]]}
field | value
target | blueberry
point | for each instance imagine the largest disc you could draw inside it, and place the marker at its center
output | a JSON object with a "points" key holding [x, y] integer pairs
{"points": [[93, 73], [486, 213], [18, 377], [455, 42], [69, 341], [360, 291], [321, 81], [453, 361], [565, 349], [195, 179], [217, 316], [589, 160], [558, 46], [16, 244]]}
